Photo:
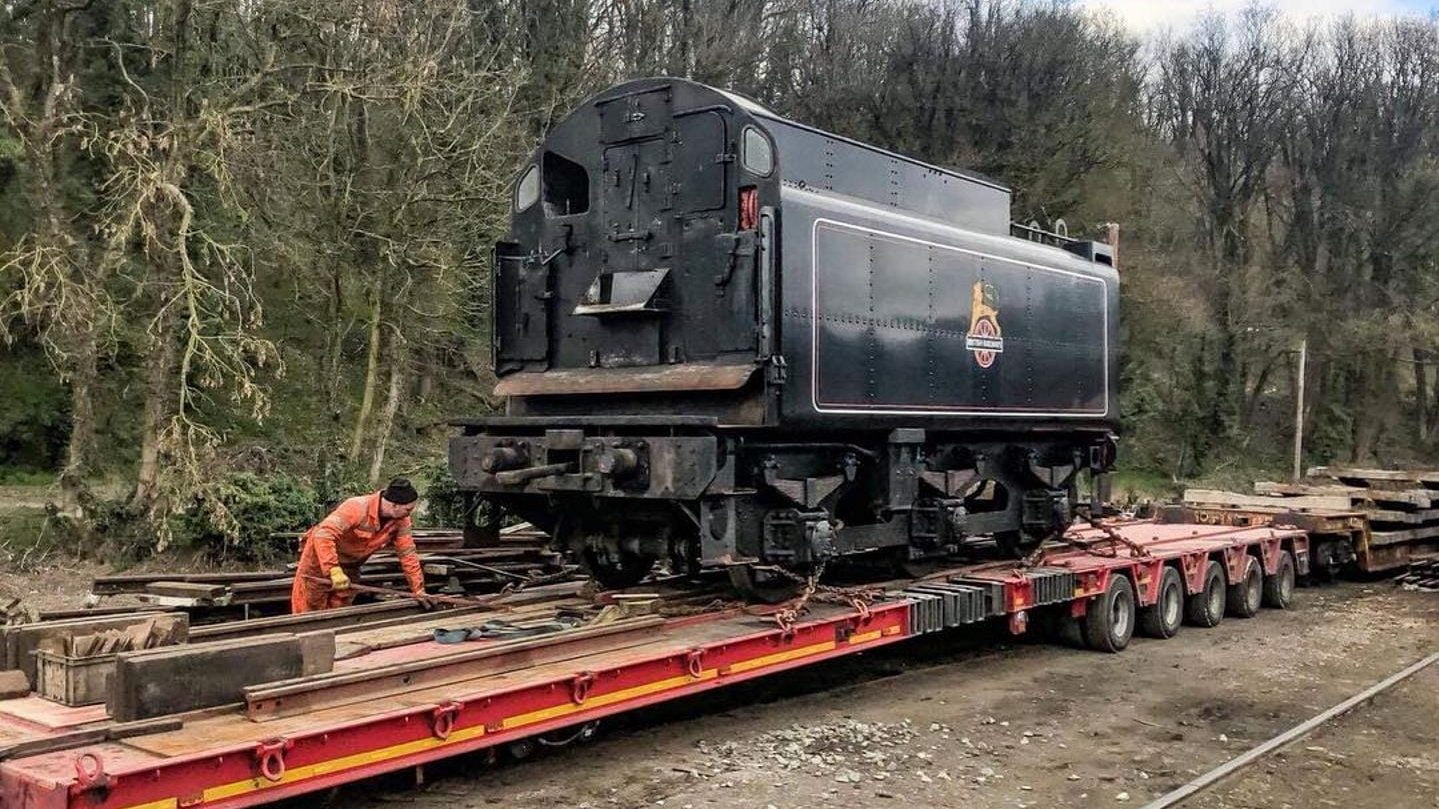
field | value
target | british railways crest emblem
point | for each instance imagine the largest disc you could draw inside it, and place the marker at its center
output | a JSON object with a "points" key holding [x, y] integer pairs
{"points": [[984, 338]]}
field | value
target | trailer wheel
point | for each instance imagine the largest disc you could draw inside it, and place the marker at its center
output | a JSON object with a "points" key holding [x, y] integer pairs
{"points": [[1162, 620], [1245, 595], [1279, 588], [1206, 607], [1109, 623]]}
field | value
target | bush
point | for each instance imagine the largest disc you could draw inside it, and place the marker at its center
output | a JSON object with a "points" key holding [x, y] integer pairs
{"points": [[444, 505], [237, 518]]}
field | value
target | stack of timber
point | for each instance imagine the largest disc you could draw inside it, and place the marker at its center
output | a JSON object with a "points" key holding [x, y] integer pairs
{"points": [[123, 673], [1422, 576], [444, 539], [457, 571], [1379, 519]]}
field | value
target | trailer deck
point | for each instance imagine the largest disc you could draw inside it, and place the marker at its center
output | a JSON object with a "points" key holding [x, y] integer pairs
{"points": [[395, 701]]}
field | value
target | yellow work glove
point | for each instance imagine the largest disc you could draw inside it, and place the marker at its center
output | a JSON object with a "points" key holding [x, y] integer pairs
{"points": [[338, 579]]}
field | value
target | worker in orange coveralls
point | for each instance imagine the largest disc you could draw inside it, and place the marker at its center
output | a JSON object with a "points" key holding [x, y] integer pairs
{"points": [[336, 548]]}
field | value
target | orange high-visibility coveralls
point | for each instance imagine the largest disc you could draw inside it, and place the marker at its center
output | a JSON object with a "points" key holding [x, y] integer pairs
{"points": [[346, 539]]}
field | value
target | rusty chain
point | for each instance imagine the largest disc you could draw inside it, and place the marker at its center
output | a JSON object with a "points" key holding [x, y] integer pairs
{"points": [[1111, 552], [857, 598]]}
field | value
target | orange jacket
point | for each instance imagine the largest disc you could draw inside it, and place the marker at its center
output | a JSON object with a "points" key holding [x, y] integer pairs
{"points": [[352, 533]]}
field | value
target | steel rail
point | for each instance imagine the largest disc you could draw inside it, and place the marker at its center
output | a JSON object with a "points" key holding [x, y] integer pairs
{"points": [[1288, 737]]}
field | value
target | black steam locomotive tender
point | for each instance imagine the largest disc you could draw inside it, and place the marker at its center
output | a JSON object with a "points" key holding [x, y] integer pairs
{"points": [[724, 338]]}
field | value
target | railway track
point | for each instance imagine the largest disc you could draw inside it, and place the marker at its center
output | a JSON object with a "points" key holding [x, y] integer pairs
{"points": [[1256, 754]]}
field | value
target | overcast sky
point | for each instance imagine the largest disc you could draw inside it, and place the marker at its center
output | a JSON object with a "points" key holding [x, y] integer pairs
{"points": [[1145, 15]]}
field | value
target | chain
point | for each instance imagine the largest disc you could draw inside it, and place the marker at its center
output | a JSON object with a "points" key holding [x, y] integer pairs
{"points": [[1109, 552], [857, 598], [1135, 549]]}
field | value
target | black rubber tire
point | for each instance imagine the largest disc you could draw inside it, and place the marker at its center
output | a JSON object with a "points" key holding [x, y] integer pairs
{"points": [[1206, 607], [616, 574], [1071, 632], [1162, 619], [1246, 595], [1279, 588], [1109, 623]]}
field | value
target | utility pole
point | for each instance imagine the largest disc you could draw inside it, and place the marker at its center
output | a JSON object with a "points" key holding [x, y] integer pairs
{"points": [[1299, 406]]}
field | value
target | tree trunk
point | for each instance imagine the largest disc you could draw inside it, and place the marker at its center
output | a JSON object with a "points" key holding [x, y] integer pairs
{"points": [[81, 446], [392, 405], [1257, 392], [159, 394], [1421, 387], [334, 350], [372, 370]]}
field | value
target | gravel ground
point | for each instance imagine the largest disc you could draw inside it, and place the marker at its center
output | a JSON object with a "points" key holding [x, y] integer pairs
{"points": [[975, 720]]}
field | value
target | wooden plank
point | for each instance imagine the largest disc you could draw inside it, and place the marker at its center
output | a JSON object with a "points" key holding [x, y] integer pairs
{"points": [[1276, 488], [136, 582], [1423, 498], [357, 645], [202, 591], [98, 612], [1381, 538], [1303, 503], [1360, 473], [300, 695], [1408, 517], [79, 738]]}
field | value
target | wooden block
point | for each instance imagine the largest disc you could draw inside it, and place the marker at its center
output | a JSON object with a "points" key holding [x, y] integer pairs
{"points": [[21, 642], [317, 652], [200, 591], [174, 680], [13, 683], [1302, 503]]}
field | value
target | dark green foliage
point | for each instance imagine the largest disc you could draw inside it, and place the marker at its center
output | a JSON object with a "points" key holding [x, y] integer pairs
{"points": [[237, 518], [34, 413], [443, 505]]}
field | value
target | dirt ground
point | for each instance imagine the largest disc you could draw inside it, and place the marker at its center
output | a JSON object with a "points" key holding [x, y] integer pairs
{"points": [[977, 721]]}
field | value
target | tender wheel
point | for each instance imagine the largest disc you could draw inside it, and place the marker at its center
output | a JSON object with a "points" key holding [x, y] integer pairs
{"points": [[1016, 544], [1109, 623], [1162, 619], [1245, 595], [1279, 588], [1206, 607], [617, 568]]}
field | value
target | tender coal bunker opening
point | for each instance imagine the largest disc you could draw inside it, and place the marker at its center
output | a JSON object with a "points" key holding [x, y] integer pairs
{"points": [[567, 186]]}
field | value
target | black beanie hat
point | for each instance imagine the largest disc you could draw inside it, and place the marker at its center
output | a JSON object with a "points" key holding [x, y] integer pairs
{"points": [[400, 492]]}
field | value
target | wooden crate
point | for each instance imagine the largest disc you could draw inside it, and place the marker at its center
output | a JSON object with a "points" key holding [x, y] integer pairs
{"points": [[73, 681]]}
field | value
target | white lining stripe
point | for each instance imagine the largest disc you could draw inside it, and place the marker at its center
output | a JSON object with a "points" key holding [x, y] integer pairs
{"points": [[1010, 412]]}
